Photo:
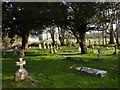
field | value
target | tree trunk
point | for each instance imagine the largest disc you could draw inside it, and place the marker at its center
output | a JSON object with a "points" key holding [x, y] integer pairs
{"points": [[61, 41], [111, 37], [61, 33], [83, 44], [53, 40], [25, 41]]}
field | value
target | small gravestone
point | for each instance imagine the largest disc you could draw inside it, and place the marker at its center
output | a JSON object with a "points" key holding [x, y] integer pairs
{"points": [[15, 51], [40, 47], [95, 72], [44, 46], [21, 53], [79, 49], [51, 49], [99, 53], [22, 73], [30, 47]]}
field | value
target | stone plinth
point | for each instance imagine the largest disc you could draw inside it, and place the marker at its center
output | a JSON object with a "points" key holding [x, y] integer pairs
{"points": [[95, 72], [20, 75]]}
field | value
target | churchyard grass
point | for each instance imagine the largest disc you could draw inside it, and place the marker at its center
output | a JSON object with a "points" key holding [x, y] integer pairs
{"points": [[41, 64]]}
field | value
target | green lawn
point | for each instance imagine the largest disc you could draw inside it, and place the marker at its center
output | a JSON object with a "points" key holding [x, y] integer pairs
{"points": [[54, 65]]}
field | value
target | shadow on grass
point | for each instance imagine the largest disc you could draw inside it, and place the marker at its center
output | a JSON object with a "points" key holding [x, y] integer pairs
{"points": [[70, 54], [34, 54]]}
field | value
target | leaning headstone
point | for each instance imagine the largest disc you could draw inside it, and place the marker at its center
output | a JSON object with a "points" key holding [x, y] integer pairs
{"points": [[40, 47], [22, 73], [95, 72], [99, 53]]}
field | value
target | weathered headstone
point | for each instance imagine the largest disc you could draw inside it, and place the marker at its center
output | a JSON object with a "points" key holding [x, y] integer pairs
{"points": [[99, 53], [79, 49], [30, 47], [22, 73], [40, 47], [21, 53], [44, 46], [95, 72], [15, 51]]}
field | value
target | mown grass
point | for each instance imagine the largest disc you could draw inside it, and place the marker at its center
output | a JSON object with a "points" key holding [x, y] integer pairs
{"points": [[55, 66]]}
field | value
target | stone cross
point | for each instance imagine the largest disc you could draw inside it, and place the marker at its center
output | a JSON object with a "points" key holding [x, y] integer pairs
{"points": [[21, 63], [99, 53]]}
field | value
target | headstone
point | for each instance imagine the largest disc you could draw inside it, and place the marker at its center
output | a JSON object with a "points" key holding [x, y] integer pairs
{"points": [[79, 49], [21, 53], [22, 73], [40, 47], [95, 72], [44, 46], [99, 53], [51, 49], [15, 51], [30, 47]]}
